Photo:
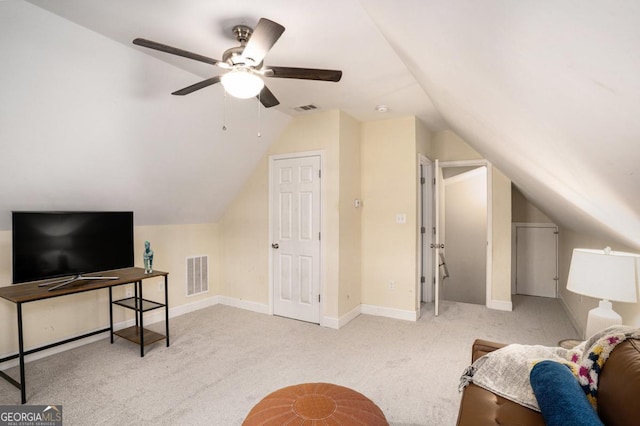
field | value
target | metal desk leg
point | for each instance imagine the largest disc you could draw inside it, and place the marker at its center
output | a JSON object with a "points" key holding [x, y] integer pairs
{"points": [[111, 313], [137, 301], [23, 385], [166, 307], [141, 321]]}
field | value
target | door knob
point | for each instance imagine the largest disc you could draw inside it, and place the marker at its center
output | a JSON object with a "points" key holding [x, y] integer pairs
{"points": [[275, 246]]}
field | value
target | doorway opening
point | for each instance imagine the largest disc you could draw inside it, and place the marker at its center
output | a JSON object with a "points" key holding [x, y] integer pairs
{"points": [[444, 242], [464, 233]]}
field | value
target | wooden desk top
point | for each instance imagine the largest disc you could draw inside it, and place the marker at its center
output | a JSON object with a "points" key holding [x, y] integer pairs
{"points": [[31, 291]]}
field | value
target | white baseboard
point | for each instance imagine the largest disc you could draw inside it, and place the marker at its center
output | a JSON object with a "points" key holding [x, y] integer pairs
{"points": [[350, 316], [326, 321], [186, 308], [158, 316], [337, 323], [572, 316], [330, 322], [261, 308], [500, 305], [149, 318], [382, 311]]}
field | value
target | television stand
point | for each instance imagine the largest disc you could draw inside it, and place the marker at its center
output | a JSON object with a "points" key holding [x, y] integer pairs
{"points": [[79, 277], [31, 292]]}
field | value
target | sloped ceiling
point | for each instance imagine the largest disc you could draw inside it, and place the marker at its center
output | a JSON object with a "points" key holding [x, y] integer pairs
{"points": [[547, 91]]}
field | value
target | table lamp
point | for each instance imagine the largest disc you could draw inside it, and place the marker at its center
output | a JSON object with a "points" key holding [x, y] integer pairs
{"points": [[607, 275]]}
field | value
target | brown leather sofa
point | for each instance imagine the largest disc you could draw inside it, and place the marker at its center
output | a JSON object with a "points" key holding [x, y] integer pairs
{"points": [[618, 391]]}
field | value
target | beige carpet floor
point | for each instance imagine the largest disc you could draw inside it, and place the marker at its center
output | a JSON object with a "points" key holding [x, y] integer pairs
{"points": [[223, 360]]}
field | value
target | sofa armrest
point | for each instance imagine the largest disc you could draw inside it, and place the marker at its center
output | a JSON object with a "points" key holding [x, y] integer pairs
{"points": [[619, 385], [482, 347]]}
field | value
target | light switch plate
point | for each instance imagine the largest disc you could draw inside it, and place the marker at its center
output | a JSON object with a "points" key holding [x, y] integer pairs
{"points": [[401, 218]]}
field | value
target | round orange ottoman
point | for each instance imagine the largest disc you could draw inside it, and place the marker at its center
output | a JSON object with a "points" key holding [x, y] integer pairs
{"points": [[315, 404]]}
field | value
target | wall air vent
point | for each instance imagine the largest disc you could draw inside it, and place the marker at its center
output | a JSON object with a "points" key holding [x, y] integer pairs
{"points": [[304, 108], [197, 275]]}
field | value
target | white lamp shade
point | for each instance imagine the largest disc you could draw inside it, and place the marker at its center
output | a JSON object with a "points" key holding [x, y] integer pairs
{"points": [[609, 276], [242, 83]]}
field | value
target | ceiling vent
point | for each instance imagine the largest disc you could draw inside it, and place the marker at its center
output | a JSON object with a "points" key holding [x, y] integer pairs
{"points": [[305, 108]]}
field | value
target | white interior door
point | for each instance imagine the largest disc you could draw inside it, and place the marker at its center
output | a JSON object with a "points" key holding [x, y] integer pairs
{"points": [[438, 247], [426, 230], [295, 216], [536, 261]]}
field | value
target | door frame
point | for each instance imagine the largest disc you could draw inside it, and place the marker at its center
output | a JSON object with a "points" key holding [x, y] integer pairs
{"points": [[272, 159], [489, 252]]}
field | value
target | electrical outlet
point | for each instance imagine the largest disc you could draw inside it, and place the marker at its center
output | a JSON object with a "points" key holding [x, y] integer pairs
{"points": [[392, 285], [160, 287], [129, 292]]}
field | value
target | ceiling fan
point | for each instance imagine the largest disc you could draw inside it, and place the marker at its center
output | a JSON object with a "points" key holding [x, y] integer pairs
{"points": [[244, 64]]}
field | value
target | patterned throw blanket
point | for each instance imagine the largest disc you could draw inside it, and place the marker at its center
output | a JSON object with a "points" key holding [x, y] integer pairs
{"points": [[505, 371]]}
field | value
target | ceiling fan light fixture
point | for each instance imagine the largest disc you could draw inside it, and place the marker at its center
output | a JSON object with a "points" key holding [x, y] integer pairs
{"points": [[242, 83]]}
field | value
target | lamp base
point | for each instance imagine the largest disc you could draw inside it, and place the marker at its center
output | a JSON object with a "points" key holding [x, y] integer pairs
{"points": [[601, 317]]}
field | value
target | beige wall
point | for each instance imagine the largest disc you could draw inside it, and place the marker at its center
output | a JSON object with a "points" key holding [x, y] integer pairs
{"points": [[350, 288], [424, 140], [447, 146], [363, 248], [172, 244], [523, 211], [244, 228], [56, 319], [389, 187], [501, 268], [5, 258], [579, 306], [244, 239]]}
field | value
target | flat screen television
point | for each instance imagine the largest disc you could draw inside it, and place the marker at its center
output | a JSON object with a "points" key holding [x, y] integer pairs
{"points": [[69, 244]]}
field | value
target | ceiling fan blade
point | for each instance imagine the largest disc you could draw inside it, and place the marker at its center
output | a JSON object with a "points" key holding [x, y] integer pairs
{"points": [[197, 86], [173, 50], [262, 39], [267, 98], [304, 73]]}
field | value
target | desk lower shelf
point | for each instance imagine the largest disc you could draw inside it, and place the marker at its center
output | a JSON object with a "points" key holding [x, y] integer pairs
{"points": [[134, 303], [132, 334], [137, 333]]}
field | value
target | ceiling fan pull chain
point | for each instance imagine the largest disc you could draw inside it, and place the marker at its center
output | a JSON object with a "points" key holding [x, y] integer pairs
{"points": [[224, 113], [259, 121]]}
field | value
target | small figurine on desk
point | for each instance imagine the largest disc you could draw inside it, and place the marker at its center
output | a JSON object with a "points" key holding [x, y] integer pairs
{"points": [[148, 258]]}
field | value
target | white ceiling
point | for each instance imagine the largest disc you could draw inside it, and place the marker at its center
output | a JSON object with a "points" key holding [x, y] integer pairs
{"points": [[547, 91]]}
